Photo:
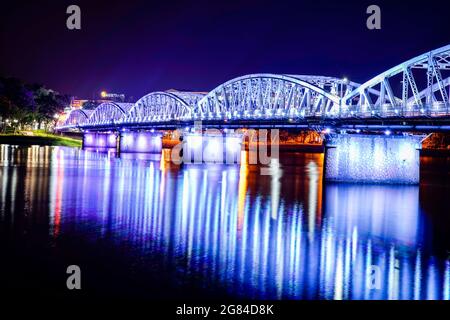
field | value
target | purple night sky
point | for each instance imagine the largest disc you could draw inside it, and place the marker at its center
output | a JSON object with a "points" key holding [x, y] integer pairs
{"points": [[135, 47]]}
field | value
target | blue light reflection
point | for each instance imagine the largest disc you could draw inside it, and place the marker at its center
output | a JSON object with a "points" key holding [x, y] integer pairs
{"points": [[254, 236]]}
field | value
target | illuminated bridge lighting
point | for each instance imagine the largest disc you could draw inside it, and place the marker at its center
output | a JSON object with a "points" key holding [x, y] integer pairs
{"points": [[288, 98], [373, 159]]}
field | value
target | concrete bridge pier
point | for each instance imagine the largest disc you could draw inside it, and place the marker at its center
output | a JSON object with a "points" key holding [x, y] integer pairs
{"points": [[99, 140], [140, 142], [212, 148], [372, 158]]}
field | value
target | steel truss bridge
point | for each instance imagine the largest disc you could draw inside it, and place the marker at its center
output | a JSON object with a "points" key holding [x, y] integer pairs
{"points": [[413, 95]]}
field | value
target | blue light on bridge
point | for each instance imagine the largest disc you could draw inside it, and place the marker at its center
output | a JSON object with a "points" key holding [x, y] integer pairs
{"points": [[99, 140], [280, 97], [373, 159], [144, 141]]}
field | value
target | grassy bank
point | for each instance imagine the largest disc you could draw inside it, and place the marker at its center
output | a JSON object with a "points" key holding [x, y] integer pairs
{"points": [[38, 137]]}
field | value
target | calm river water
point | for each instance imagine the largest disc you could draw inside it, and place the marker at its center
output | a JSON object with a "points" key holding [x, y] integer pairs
{"points": [[146, 228]]}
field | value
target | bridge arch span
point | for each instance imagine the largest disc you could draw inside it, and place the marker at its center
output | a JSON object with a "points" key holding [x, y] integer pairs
{"points": [[421, 86], [109, 111], [164, 106], [77, 117], [268, 96]]}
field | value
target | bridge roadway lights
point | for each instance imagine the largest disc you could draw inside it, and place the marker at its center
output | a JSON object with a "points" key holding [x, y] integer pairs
{"points": [[99, 140], [372, 158], [140, 142], [212, 148]]}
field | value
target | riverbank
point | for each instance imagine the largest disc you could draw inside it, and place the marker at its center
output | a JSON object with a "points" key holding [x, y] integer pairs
{"points": [[39, 138]]}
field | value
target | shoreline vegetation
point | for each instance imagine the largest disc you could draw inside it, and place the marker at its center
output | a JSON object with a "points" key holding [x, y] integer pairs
{"points": [[25, 106], [38, 137]]}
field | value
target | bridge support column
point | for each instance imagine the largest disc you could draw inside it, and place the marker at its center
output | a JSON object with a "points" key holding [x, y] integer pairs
{"points": [[212, 148], [99, 140], [140, 142], [372, 158]]}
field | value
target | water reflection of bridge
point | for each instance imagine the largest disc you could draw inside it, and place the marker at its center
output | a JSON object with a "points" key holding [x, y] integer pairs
{"points": [[258, 236]]}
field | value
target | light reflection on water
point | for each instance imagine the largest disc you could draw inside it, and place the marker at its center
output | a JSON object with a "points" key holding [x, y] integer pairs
{"points": [[281, 236]]}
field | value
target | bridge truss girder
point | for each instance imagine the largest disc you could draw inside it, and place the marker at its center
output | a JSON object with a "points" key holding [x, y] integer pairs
{"points": [[163, 106], [397, 92], [422, 89], [108, 112], [77, 117], [265, 96]]}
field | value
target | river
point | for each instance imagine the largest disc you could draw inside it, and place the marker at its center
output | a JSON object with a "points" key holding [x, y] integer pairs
{"points": [[140, 226]]}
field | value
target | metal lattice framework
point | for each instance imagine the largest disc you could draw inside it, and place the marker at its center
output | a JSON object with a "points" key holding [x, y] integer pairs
{"points": [[163, 106], [437, 88], [418, 87], [270, 96], [108, 112], [423, 72], [77, 117]]}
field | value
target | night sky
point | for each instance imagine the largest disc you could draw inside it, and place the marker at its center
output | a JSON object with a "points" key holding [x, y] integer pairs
{"points": [[135, 47]]}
